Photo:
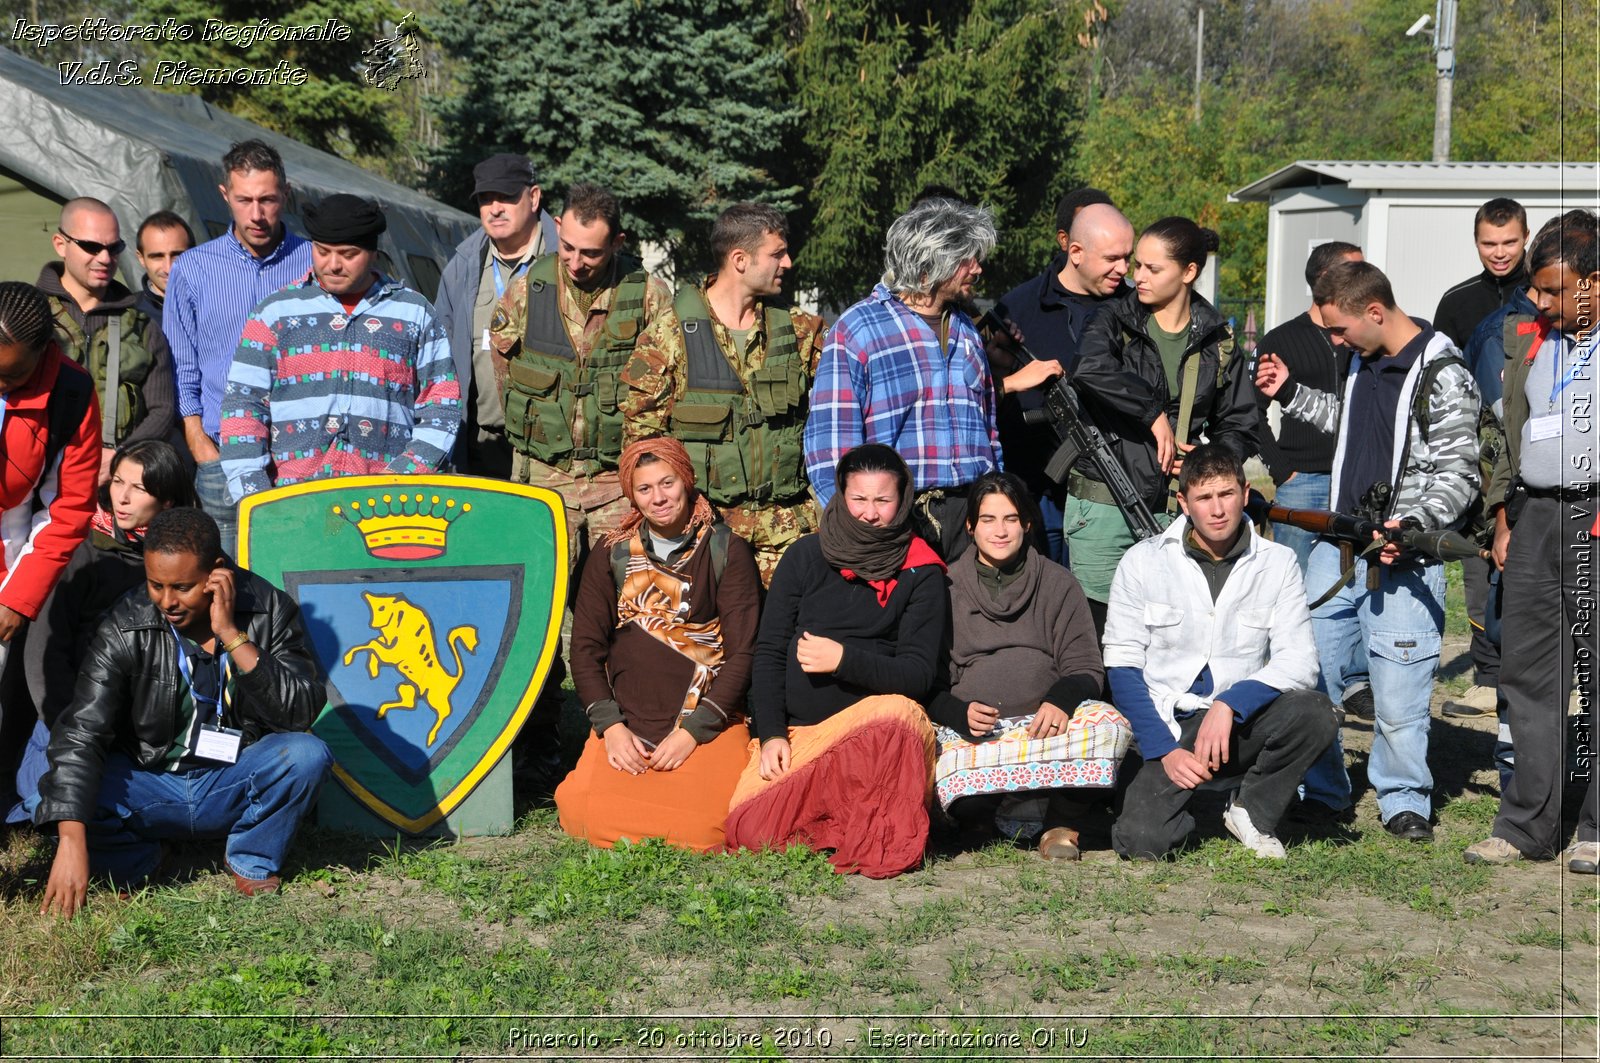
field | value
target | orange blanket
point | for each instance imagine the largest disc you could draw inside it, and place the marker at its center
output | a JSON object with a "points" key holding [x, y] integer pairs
{"points": [[859, 783], [685, 807]]}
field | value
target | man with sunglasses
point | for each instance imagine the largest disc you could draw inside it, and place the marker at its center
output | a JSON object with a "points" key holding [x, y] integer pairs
{"points": [[104, 329]]}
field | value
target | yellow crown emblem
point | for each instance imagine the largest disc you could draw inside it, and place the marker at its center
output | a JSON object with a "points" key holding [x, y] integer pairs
{"points": [[404, 527]]}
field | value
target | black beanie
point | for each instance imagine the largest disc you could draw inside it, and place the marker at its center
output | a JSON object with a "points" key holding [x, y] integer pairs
{"points": [[345, 219]]}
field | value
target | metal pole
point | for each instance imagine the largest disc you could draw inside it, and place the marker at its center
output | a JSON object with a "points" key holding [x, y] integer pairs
{"points": [[1199, 55], [1444, 50]]}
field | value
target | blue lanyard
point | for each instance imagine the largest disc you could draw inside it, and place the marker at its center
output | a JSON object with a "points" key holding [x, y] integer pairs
{"points": [[2, 411], [499, 281], [188, 676], [1578, 363]]}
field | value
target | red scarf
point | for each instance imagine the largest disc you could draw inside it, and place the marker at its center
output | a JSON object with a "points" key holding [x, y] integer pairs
{"points": [[918, 552], [103, 522]]}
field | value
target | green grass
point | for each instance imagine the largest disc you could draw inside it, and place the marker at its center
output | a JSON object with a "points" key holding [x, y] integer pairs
{"points": [[1456, 624], [465, 944]]}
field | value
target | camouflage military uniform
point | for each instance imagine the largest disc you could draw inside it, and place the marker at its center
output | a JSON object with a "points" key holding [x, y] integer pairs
{"points": [[656, 379], [594, 498]]}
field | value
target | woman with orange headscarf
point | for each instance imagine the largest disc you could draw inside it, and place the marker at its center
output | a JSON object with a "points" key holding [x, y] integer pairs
{"points": [[663, 634]]}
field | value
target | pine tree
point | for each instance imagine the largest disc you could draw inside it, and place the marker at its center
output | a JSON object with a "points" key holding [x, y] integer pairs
{"points": [[679, 107], [981, 96]]}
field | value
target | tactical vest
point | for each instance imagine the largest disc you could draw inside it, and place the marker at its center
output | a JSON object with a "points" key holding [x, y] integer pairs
{"points": [[545, 384], [744, 436], [134, 361]]}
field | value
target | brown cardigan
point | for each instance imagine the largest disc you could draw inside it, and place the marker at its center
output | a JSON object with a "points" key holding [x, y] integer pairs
{"points": [[630, 677]]}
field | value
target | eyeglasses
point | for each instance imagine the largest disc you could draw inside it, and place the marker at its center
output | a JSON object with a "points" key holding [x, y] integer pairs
{"points": [[92, 249]]}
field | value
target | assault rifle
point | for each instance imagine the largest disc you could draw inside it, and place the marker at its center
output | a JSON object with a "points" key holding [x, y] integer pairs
{"points": [[1075, 438]]}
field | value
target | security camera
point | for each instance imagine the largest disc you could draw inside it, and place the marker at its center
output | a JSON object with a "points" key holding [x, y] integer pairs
{"points": [[1419, 25]]}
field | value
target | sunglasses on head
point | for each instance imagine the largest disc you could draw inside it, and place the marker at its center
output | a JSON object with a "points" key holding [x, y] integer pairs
{"points": [[91, 248]]}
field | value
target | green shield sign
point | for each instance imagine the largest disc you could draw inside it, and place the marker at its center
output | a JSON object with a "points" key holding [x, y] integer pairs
{"points": [[434, 603]]}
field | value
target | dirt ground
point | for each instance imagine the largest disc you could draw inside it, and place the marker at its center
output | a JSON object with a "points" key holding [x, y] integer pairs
{"points": [[1496, 975]]}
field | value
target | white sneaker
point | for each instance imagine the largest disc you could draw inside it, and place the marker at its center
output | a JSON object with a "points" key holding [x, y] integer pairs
{"points": [[1267, 847]]}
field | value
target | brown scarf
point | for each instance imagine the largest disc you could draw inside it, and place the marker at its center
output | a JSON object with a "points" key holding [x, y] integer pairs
{"points": [[872, 553], [655, 596]]}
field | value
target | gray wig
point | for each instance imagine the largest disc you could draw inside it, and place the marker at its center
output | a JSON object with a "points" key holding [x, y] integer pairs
{"points": [[928, 243]]}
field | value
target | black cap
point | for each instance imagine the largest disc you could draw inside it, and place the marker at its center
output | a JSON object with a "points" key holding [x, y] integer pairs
{"points": [[505, 174], [345, 219]]}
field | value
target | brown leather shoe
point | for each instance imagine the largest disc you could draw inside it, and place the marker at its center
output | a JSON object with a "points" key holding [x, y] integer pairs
{"points": [[251, 887], [1059, 843]]}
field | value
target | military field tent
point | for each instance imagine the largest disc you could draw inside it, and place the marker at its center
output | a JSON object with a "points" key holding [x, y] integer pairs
{"points": [[143, 151]]}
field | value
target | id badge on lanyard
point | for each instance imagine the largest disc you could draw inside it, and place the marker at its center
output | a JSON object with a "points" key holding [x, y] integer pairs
{"points": [[214, 742]]}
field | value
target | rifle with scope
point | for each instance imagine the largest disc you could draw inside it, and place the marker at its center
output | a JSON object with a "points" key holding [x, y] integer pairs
{"points": [[1360, 532], [1442, 545]]}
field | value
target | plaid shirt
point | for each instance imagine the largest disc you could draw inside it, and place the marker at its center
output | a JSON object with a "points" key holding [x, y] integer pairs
{"points": [[883, 379]]}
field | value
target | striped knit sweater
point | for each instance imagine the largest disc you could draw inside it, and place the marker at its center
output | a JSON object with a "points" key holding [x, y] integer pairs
{"points": [[315, 392]]}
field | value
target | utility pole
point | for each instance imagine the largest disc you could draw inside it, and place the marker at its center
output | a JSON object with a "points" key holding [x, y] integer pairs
{"points": [[1199, 55], [1444, 52]]}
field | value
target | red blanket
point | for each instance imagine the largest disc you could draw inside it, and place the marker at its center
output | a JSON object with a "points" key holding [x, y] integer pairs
{"points": [[858, 784]]}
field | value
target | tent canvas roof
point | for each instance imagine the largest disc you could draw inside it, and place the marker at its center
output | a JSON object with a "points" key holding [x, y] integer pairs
{"points": [[142, 151]]}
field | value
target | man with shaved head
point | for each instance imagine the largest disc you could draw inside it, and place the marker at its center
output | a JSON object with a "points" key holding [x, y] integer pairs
{"points": [[1051, 312], [104, 330]]}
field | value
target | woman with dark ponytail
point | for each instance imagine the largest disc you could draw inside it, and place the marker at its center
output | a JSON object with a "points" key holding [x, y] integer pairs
{"points": [[847, 654], [1159, 373]]}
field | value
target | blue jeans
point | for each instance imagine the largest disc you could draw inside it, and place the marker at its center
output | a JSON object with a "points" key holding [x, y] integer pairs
{"points": [[1399, 627], [29, 771], [1308, 490], [1050, 513], [211, 486], [256, 803]]}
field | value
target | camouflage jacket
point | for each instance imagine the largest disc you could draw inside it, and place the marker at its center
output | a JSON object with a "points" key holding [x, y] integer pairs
{"points": [[583, 329], [1435, 474], [657, 375], [589, 422]]}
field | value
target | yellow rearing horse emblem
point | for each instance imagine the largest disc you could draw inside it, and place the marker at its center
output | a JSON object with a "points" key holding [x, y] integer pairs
{"points": [[406, 641]]}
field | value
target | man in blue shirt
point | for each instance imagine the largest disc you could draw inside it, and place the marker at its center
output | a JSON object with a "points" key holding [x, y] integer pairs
{"points": [[210, 293]]}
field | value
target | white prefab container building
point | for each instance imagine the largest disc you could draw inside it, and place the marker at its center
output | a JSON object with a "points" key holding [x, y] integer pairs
{"points": [[1412, 219]]}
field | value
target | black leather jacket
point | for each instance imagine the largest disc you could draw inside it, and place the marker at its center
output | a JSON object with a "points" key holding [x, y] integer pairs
{"points": [[127, 694], [1123, 386]]}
